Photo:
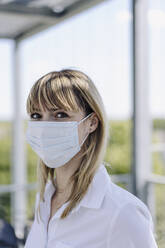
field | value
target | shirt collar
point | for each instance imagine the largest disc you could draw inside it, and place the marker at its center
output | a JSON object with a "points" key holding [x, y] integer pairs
{"points": [[94, 195], [97, 189]]}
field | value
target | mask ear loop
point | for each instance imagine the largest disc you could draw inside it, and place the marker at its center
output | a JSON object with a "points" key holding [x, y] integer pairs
{"points": [[84, 140], [88, 133], [85, 118]]}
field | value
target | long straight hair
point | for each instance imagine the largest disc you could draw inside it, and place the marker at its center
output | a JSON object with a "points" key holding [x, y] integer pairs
{"points": [[71, 90]]}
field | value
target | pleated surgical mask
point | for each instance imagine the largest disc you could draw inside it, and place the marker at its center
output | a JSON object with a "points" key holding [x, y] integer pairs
{"points": [[54, 142]]}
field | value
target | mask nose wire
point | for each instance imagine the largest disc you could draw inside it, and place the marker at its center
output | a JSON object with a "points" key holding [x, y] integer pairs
{"points": [[88, 132]]}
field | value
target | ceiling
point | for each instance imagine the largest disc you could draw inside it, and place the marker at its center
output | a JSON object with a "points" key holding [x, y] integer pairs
{"points": [[20, 19]]}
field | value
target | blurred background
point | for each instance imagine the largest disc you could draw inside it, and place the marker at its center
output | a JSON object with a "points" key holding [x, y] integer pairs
{"points": [[120, 45]]}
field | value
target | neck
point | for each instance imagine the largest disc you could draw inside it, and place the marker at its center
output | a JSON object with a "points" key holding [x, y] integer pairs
{"points": [[63, 174]]}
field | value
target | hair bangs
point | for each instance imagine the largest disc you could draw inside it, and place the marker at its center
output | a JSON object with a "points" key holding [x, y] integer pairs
{"points": [[53, 93]]}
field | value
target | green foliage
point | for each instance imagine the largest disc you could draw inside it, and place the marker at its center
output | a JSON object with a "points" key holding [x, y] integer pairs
{"points": [[5, 153], [118, 153], [158, 163], [5, 210], [32, 160], [159, 124], [160, 214]]}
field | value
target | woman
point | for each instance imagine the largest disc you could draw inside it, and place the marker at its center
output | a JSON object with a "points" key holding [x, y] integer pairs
{"points": [[79, 207]]}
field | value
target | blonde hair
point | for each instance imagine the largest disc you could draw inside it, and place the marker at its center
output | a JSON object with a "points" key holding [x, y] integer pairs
{"points": [[71, 90]]}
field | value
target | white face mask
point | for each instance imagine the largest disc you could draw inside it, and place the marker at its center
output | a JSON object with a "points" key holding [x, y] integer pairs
{"points": [[54, 142]]}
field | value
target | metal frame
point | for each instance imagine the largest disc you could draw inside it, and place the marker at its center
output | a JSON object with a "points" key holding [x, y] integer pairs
{"points": [[18, 198], [49, 18], [141, 115]]}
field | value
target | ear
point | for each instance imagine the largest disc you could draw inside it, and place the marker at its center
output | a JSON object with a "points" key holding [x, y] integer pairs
{"points": [[94, 121]]}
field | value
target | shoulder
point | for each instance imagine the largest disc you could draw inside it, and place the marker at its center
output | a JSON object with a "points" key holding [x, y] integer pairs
{"points": [[130, 221], [116, 197], [121, 197], [122, 201]]}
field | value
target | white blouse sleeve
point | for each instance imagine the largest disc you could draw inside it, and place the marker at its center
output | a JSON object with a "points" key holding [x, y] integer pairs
{"points": [[132, 227]]}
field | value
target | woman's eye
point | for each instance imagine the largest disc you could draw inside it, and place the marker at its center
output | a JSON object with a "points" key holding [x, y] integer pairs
{"points": [[35, 116], [61, 115]]}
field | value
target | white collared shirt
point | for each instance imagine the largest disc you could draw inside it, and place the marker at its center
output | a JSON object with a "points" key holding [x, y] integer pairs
{"points": [[107, 217]]}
